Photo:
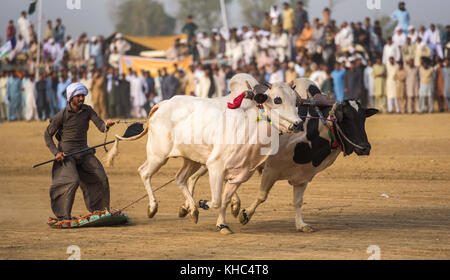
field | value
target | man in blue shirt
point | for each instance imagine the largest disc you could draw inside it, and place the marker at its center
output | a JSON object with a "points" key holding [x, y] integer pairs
{"points": [[402, 17], [338, 81], [64, 82]]}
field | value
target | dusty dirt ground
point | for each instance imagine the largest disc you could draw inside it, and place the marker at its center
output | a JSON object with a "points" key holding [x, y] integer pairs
{"points": [[410, 162]]}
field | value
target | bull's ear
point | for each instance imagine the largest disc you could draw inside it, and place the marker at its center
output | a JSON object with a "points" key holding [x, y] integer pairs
{"points": [[370, 112], [260, 98]]}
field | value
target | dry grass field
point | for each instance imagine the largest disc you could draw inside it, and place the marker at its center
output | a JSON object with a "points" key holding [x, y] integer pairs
{"points": [[410, 163]]}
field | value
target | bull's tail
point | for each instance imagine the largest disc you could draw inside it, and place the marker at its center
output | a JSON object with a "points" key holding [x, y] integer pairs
{"points": [[109, 158]]}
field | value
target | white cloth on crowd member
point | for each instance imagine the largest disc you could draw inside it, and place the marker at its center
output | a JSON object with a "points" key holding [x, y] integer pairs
{"points": [[318, 76], [433, 39], [30, 100], [276, 77], [412, 34], [75, 89], [391, 50], [344, 38], [274, 14], [24, 28], [399, 39]]}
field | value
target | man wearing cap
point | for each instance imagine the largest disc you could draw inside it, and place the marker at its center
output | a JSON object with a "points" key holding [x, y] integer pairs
{"points": [[70, 126]]}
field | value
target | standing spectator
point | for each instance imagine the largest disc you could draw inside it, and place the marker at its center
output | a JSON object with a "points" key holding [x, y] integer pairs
{"points": [[288, 17], [3, 105], [290, 74], [52, 98], [379, 76], [110, 98], [446, 73], [421, 50], [391, 87], [344, 38], [64, 82], [326, 14], [316, 37], [138, 88], [400, 80], [189, 28], [390, 50], [369, 83], [31, 112], [49, 32], [208, 85], [328, 46], [96, 52], [412, 34], [24, 27], [353, 82], [98, 94], [275, 17], [327, 85], [277, 74], [124, 97], [401, 16], [361, 37], [399, 38], [14, 95], [338, 81], [318, 75], [412, 86], [408, 50], [426, 87], [41, 100], [87, 81], [121, 44], [305, 36], [11, 34], [439, 86], [301, 17], [59, 31], [433, 39], [114, 96], [292, 39]]}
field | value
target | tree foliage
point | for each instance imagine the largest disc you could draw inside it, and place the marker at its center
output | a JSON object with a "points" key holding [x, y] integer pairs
{"points": [[142, 18]]}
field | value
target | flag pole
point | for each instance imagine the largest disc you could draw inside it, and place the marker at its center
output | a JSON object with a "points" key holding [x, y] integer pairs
{"points": [[224, 14], [39, 21]]}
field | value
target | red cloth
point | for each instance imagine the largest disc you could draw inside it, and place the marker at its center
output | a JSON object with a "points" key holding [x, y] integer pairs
{"points": [[237, 101]]}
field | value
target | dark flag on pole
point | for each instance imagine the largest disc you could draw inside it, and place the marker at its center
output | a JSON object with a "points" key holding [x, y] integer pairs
{"points": [[32, 7]]}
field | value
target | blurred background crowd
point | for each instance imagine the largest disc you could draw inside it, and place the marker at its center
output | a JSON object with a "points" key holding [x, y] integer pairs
{"points": [[404, 71]]}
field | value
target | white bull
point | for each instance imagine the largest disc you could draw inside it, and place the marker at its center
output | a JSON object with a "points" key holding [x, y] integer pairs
{"points": [[231, 143], [301, 156]]}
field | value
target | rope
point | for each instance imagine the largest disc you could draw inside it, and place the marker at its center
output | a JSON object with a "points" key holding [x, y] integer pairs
{"points": [[144, 196]]}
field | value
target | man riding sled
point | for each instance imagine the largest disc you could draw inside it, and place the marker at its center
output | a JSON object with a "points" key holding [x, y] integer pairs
{"points": [[70, 127]]}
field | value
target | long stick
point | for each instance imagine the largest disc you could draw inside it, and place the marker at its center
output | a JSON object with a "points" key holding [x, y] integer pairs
{"points": [[74, 153]]}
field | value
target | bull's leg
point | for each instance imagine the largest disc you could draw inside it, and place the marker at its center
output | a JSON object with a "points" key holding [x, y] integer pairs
{"points": [[216, 178], [228, 192], [189, 168], [146, 170], [235, 205], [299, 190], [267, 181], [191, 182]]}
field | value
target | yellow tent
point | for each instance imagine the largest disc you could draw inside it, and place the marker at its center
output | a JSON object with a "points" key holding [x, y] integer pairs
{"points": [[152, 65], [156, 43]]}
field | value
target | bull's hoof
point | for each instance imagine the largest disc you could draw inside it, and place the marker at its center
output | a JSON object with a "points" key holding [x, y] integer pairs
{"points": [[305, 228], [224, 229], [202, 204], [235, 208], [152, 211], [194, 215], [182, 211], [243, 217]]}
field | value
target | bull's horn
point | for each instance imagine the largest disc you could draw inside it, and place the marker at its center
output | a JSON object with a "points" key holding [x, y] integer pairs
{"points": [[248, 85], [269, 85]]}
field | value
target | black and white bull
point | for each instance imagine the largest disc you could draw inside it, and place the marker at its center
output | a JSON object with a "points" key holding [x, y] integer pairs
{"points": [[336, 129]]}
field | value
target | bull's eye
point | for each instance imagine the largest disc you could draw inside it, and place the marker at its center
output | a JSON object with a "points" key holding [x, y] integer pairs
{"points": [[278, 100]]}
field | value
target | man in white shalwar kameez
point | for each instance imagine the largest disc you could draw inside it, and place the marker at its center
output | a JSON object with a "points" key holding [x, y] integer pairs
{"points": [[391, 87], [138, 89], [30, 99], [24, 27], [399, 38]]}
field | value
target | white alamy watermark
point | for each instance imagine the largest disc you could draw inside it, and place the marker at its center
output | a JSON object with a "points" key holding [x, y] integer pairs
{"points": [[73, 4], [231, 128], [374, 251], [74, 251], [373, 4]]}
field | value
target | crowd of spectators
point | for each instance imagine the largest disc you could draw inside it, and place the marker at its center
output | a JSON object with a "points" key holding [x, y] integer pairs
{"points": [[404, 72]]}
